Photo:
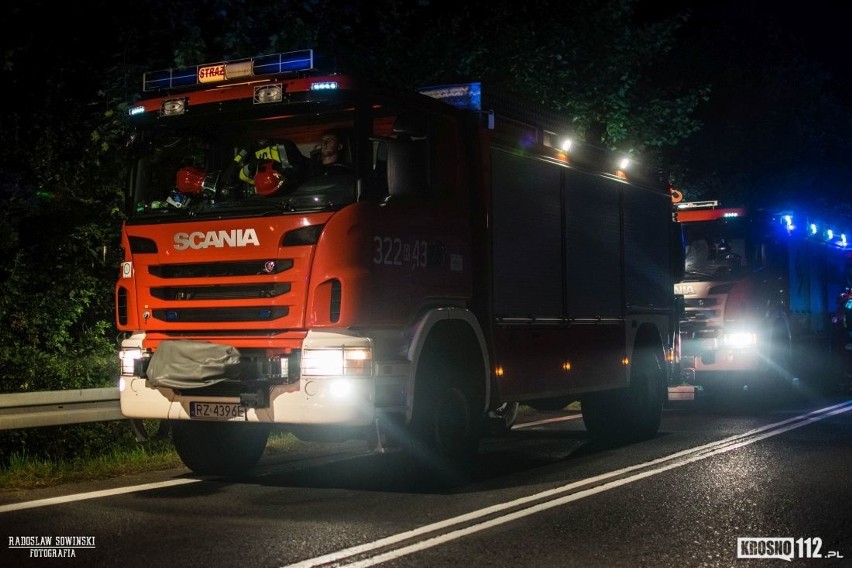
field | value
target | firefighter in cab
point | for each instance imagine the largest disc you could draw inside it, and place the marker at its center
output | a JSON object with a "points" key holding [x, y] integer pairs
{"points": [[272, 168]]}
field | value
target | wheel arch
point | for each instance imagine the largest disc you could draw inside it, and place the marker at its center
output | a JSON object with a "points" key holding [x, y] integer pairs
{"points": [[456, 325]]}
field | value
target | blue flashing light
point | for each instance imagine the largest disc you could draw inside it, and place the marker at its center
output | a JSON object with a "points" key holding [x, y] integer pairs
{"points": [[170, 78], [813, 229], [284, 62], [466, 96]]}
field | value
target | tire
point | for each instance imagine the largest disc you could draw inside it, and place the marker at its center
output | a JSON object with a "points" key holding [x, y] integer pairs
{"points": [[219, 448], [501, 419], [632, 414], [445, 426]]}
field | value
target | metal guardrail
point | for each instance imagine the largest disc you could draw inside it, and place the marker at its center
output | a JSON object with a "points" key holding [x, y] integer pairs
{"points": [[54, 408]]}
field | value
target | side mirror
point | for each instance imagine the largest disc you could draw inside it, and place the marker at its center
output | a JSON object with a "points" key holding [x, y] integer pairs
{"points": [[408, 167]]}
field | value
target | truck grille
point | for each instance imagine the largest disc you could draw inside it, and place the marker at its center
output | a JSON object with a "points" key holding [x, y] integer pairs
{"points": [[199, 315], [219, 269], [220, 292], [245, 294], [701, 309]]}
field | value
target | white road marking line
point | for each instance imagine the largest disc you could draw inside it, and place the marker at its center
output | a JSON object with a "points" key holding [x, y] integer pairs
{"points": [[548, 421], [94, 495], [653, 467]]}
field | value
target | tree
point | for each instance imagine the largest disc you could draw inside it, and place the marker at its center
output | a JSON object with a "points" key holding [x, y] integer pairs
{"points": [[775, 129]]}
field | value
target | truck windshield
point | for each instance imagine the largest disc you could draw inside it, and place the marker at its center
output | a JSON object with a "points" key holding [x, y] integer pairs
{"points": [[715, 249], [277, 164]]}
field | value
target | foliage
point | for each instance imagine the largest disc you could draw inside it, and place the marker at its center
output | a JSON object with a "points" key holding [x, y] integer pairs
{"points": [[65, 443], [45, 457]]}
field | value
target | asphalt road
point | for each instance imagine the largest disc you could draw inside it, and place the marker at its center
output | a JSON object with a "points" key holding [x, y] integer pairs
{"points": [[718, 486]]}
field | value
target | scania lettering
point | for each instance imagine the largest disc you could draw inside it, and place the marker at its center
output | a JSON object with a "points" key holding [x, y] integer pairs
{"points": [[217, 239], [457, 263]]}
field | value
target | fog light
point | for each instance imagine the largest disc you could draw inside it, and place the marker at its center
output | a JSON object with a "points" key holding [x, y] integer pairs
{"points": [[340, 389]]}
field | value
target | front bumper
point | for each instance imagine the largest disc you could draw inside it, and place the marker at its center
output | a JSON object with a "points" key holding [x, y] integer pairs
{"points": [[349, 402]]}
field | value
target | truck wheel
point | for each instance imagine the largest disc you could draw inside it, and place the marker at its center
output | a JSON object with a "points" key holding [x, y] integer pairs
{"points": [[219, 448], [631, 414], [501, 419], [445, 426]]}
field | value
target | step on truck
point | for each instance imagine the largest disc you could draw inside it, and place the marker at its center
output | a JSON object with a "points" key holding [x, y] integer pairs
{"points": [[763, 290], [456, 262]]}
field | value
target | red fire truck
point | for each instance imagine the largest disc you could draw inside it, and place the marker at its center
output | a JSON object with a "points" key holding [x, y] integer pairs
{"points": [[761, 290], [460, 261]]}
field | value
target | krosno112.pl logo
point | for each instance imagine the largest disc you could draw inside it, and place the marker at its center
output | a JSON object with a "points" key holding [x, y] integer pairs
{"points": [[783, 548]]}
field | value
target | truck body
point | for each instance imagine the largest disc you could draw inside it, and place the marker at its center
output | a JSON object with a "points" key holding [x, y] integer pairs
{"points": [[460, 263], [760, 290]]}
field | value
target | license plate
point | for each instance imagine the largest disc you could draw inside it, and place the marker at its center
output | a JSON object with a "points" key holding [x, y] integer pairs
{"points": [[216, 411]]}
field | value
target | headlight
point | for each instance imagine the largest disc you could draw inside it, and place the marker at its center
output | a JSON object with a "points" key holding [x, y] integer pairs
{"points": [[351, 361], [128, 357], [740, 340]]}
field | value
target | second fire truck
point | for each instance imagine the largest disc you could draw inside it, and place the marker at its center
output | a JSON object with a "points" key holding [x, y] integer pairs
{"points": [[761, 290]]}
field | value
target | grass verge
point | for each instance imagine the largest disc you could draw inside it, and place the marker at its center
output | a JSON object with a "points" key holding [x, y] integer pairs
{"points": [[22, 471], [26, 472]]}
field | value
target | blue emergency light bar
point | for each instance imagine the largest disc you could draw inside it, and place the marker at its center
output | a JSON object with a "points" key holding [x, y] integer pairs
{"points": [[275, 64]]}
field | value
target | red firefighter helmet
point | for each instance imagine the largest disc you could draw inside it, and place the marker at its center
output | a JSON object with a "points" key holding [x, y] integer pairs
{"points": [[189, 180], [268, 179]]}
